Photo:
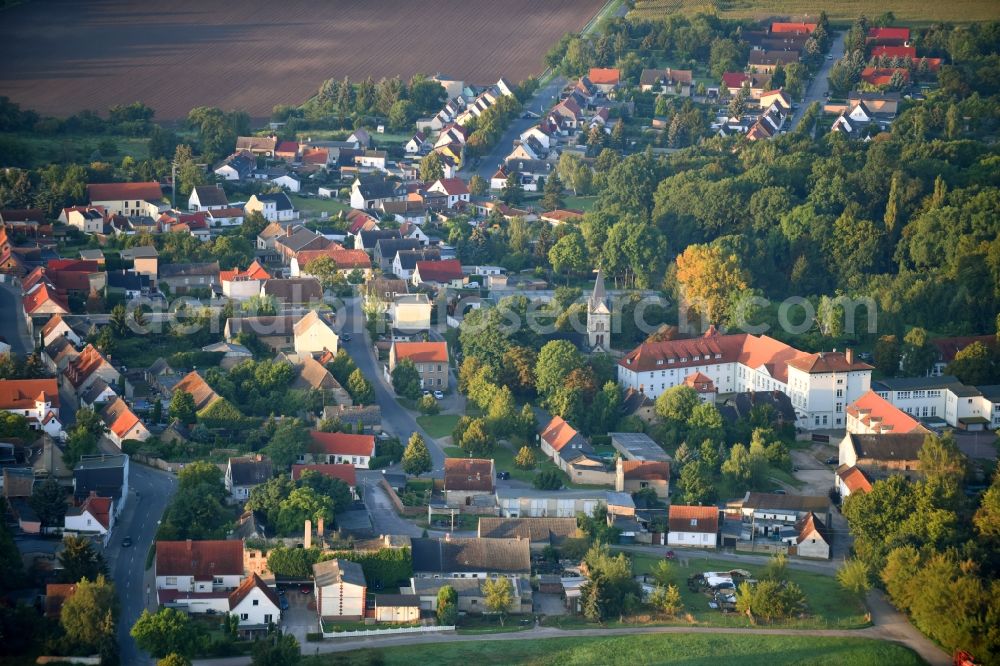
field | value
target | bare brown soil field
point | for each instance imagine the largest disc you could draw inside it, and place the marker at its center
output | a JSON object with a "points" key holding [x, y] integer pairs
{"points": [[62, 56]]}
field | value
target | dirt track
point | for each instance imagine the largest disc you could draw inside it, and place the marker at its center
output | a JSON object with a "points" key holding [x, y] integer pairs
{"points": [[62, 56]]}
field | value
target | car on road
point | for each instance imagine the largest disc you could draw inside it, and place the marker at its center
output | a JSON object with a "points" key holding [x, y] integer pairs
{"points": [[439, 395], [346, 337], [503, 476], [283, 602], [829, 56], [126, 542], [778, 491], [426, 392], [305, 589], [832, 460]]}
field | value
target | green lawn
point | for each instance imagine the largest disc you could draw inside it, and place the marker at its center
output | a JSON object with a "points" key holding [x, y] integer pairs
{"points": [[313, 206], [438, 425], [686, 649], [830, 607], [76, 148], [580, 203], [141, 350]]}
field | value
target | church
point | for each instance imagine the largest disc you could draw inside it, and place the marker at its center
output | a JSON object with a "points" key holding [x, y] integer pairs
{"points": [[598, 318]]}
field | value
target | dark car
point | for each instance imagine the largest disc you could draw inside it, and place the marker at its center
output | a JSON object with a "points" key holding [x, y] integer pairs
{"points": [[283, 602], [503, 476], [346, 337], [126, 542], [832, 460]]}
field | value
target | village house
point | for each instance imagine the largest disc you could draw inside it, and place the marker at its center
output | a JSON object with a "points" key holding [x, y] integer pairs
{"points": [[405, 261], [471, 596], [105, 475], [128, 199], [293, 291], [370, 191], [238, 166], [86, 368], [820, 385], [341, 471], [275, 207], [430, 359], [468, 482], [345, 260], [380, 292], [531, 503], [340, 590], [693, 526], [206, 197], [181, 278], [458, 557], [438, 274], [183, 567], [775, 516], [943, 400], [245, 473], [274, 331], [410, 313], [386, 249], [539, 532], [128, 285], [339, 447], [878, 456], [873, 414], [311, 375], [58, 354], [572, 453], [88, 219], [35, 399], [240, 285], [314, 333], [666, 81], [95, 516], [812, 538], [122, 423], [632, 476], [257, 145], [199, 389]]}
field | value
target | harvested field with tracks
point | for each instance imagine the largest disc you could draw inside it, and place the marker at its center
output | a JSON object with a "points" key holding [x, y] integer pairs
{"points": [[63, 56]]}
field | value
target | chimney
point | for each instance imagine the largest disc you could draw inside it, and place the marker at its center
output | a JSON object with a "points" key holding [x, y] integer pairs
{"points": [[319, 528], [308, 537], [849, 354], [288, 230]]}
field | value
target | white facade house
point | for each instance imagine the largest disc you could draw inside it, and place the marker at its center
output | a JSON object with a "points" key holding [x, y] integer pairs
{"points": [[314, 334], [275, 207], [289, 182], [95, 516], [943, 398], [340, 589], [198, 566], [254, 604], [819, 385], [693, 526]]}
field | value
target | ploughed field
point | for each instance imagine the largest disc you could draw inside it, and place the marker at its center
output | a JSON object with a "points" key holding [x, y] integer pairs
{"points": [[62, 56]]}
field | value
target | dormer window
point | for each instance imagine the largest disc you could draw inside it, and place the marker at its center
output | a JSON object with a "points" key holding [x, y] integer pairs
{"points": [[684, 359], [695, 358], [659, 361], [671, 360], [718, 356]]}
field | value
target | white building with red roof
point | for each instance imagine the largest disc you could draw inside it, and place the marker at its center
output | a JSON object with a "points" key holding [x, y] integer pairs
{"points": [[122, 423], [454, 188], [243, 284], [443, 273], [129, 199], [820, 385], [35, 399], [93, 516], [198, 566], [339, 448]]}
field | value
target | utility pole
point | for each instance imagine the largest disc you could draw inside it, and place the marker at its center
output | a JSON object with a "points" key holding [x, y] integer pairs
{"points": [[173, 185]]}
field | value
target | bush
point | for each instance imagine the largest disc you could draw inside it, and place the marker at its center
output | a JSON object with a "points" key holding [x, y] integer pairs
{"points": [[428, 404], [314, 636], [548, 479]]}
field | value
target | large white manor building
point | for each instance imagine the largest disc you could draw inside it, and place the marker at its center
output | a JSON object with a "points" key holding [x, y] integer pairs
{"points": [[820, 385]]}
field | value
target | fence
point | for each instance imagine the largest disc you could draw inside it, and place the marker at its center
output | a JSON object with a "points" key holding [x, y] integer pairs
{"points": [[364, 633], [770, 547], [397, 503]]}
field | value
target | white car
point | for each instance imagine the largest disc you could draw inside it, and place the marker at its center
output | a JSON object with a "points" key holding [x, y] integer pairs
{"points": [[439, 395]]}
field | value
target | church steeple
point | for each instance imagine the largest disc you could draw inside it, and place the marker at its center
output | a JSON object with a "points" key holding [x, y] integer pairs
{"points": [[599, 296], [599, 316]]}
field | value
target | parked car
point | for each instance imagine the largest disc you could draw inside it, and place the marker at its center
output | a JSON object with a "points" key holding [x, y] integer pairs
{"points": [[346, 337], [670, 555], [503, 476], [832, 460], [439, 395], [305, 589], [283, 602], [778, 491], [126, 542]]}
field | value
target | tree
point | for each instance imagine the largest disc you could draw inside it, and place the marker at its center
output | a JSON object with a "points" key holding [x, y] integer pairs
{"points": [[707, 278], [724, 56], [525, 458], [447, 606], [334, 489], [89, 615], [165, 632], [676, 403], [497, 595], [663, 573], [360, 388], [512, 193], [888, 354], [79, 560], [918, 352], [569, 254], [406, 379], [279, 649], [553, 192], [303, 504], [855, 577], [182, 407], [548, 479], [174, 659], [416, 458], [556, 360], [287, 443], [478, 186], [431, 168], [49, 501], [975, 364], [476, 439], [667, 600], [118, 321], [696, 482], [428, 404], [611, 582]]}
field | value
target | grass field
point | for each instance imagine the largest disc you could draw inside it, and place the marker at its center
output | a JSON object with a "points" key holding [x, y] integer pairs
{"points": [[438, 425], [686, 649], [913, 12], [77, 149], [313, 206], [830, 606], [581, 203]]}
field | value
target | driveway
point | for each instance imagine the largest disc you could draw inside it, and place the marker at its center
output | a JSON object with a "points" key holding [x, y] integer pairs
{"points": [[300, 618], [383, 514], [816, 92]]}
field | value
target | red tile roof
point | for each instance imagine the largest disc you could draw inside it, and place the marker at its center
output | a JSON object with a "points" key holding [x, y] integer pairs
{"points": [[316, 156], [99, 508], [706, 519], [84, 365], [735, 79], [422, 352], [445, 270], [341, 471], [342, 444], [119, 418], [894, 51], [558, 433], [468, 474], [287, 148], [201, 559], [124, 191], [894, 34], [22, 393], [51, 325], [453, 186], [219, 213], [880, 415], [56, 595], [249, 583], [342, 257], [253, 272], [855, 480], [604, 76], [882, 76], [825, 362], [797, 28], [700, 382], [44, 294], [645, 470], [199, 389]]}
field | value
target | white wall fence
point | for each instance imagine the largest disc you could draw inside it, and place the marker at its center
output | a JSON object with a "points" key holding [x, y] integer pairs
{"points": [[364, 633]]}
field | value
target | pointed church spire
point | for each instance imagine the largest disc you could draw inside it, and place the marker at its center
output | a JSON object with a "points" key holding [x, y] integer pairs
{"points": [[599, 295]]}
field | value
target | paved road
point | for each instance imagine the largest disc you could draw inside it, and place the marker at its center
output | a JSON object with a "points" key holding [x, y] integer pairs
{"points": [[817, 89], [383, 514], [889, 625], [150, 492], [12, 325], [395, 419]]}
